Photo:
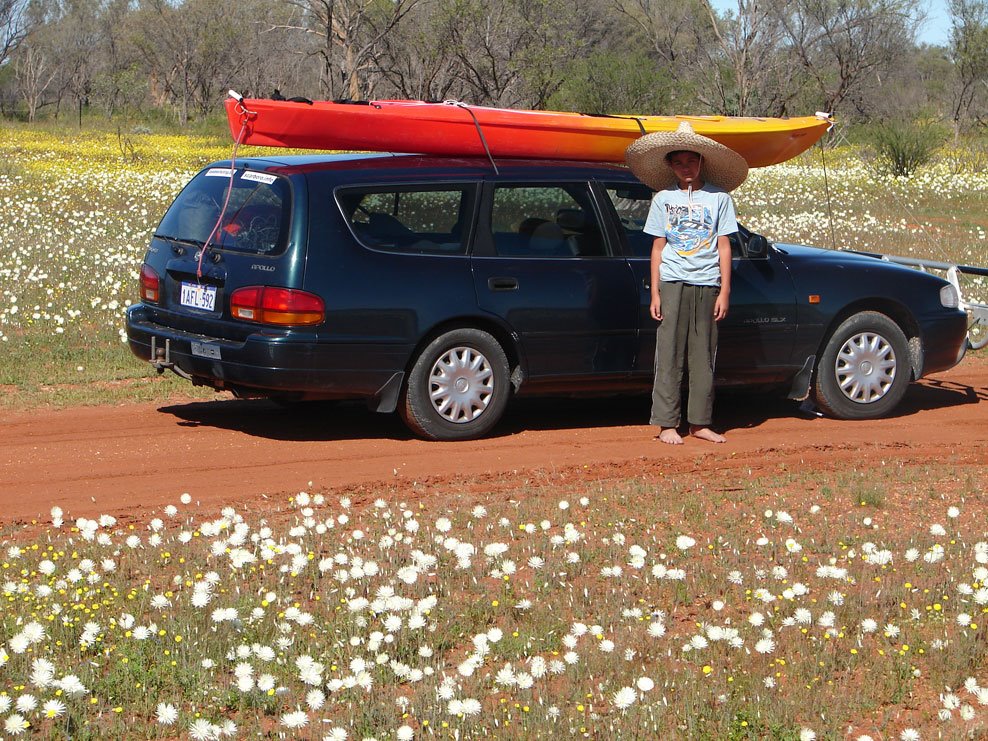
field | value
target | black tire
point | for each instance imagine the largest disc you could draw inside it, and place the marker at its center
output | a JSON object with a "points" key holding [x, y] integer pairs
{"points": [[864, 369], [458, 387]]}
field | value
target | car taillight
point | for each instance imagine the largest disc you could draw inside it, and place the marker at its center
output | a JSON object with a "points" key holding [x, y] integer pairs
{"points": [[281, 306], [150, 285]]}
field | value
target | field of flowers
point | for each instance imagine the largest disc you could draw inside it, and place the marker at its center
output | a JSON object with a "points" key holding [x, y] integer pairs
{"points": [[798, 606], [786, 607], [78, 210]]}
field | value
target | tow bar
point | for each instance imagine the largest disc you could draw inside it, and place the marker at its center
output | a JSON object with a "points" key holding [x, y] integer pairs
{"points": [[161, 359]]}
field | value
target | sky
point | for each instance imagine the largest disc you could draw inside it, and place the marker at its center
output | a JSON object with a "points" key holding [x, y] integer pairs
{"points": [[935, 31]]}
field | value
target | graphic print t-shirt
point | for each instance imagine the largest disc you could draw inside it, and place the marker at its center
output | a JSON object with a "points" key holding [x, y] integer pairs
{"points": [[691, 227]]}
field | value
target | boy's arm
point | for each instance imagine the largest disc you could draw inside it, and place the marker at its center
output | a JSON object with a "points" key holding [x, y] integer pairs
{"points": [[655, 275], [724, 259]]}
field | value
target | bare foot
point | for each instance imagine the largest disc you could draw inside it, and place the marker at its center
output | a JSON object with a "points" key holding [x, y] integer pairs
{"points": [[670, 437], [705, 433]]}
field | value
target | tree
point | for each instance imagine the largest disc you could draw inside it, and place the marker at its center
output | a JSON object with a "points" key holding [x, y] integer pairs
{"points": [[841, 44], [614, 83], [76, 36], [674, 33], [34, 74], [351, 34], [192, 51], [14, 26], [671, 28], [487, 39], [969, 52], [118, 79], [417, 60], [762, 57], [752, 71], [557, 33], [271, 54]]}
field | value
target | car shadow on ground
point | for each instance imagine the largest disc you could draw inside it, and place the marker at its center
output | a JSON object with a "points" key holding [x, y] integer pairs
{"points": [[749, 410], [329, 421], [315, 421]]}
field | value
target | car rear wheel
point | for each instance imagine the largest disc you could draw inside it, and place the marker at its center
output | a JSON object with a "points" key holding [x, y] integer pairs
{"points": [[458, 387], [864, 369]]}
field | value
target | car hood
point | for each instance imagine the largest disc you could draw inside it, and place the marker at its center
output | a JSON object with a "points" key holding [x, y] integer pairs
{"points": [[841, 258]]}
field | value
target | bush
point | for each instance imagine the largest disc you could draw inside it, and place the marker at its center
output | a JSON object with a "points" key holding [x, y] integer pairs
{"points": [[903, 147]]}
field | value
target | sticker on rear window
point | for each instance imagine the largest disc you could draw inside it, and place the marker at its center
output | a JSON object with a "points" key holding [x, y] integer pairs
{"points": [[219, 172], [258, 177]]}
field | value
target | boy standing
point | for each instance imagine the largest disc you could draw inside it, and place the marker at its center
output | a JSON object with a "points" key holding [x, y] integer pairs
{"points": [[691, 216]]}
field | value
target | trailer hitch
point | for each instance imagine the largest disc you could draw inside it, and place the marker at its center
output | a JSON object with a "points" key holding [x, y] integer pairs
{"points": [[161, 359]]}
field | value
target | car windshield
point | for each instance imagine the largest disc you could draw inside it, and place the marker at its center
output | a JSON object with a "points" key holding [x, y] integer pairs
{"points": [[255, 220]]}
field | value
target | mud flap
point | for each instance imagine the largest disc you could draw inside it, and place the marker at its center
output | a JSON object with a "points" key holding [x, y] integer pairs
{"points": [[800, 390], [385, 400]]}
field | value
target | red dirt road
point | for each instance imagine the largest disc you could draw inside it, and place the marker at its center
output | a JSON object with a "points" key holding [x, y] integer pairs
{"points": [[131, 459]]}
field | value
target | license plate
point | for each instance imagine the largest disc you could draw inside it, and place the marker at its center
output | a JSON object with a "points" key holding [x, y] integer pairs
{"points": [[205, 350], [196, 296]]}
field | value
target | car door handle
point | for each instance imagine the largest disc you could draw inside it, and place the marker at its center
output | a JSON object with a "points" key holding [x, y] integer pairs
{"points": [[647, 283], [502, 284]]}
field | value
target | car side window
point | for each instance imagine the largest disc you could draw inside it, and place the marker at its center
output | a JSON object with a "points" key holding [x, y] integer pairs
{"points": [[545, 221], [631, 202], [408, 219]]}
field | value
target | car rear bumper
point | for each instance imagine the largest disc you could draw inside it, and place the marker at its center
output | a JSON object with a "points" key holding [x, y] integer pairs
{"points": [[300, 364]]}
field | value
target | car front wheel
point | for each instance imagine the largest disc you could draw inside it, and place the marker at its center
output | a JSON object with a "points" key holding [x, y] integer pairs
{"points": [[864, 369], [458, 387]]}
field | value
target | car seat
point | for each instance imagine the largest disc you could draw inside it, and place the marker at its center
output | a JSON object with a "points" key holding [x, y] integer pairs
{"points": [[584, 234], [549, 240]]}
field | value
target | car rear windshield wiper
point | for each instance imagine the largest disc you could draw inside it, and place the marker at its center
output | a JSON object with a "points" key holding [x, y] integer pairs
{"points": [[179, 240]]}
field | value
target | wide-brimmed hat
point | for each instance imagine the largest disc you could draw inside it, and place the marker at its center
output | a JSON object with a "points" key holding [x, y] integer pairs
{"points": [[720, 165]]}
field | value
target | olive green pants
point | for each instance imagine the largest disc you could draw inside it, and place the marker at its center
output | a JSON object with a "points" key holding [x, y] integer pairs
{"points": [[687, 333]]}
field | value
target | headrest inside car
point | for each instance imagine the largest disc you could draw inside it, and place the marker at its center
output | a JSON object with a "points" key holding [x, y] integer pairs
{"points": [[571, 219]]}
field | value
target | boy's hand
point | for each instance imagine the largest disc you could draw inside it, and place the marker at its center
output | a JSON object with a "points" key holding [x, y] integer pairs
{"points": [[655, 308], [720, 306]]}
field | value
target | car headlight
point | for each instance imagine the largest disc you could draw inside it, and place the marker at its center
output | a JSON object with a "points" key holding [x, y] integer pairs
{"points": [[949, 298]]}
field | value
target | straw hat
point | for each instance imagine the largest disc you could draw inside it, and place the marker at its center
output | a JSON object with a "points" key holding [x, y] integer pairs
{"points": [[720, 166]]}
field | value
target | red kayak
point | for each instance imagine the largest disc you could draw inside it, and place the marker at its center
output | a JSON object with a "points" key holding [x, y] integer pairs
{"points": [[455, 129]]}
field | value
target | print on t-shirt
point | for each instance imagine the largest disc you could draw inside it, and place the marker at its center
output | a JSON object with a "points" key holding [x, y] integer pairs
{"points": [[689, 228]]}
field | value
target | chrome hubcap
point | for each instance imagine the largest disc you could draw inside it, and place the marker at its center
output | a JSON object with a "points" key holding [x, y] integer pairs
{"points": [[865, 367], [461, 385]]}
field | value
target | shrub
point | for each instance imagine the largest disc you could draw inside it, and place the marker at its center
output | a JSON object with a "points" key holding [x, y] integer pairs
{"points": [[903, 147]]}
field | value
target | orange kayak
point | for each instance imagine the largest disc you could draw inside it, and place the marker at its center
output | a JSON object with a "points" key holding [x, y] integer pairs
{"points": [[455, 129]]}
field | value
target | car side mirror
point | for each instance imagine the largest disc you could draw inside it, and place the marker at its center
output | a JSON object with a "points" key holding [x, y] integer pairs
{"points": [[757, 246]]}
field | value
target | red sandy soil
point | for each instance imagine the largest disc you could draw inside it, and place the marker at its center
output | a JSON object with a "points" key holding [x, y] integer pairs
{"points": [[128, 460]]}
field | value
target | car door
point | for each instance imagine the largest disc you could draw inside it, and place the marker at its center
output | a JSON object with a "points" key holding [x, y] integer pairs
{"points": [[756, 340], [543, 266]]}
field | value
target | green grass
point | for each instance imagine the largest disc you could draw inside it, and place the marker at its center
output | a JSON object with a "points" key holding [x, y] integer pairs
{"points": [[68, 371]]}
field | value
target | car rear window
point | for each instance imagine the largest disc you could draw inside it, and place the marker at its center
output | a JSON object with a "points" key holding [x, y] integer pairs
{"points": [[255, 220], [416, 219]]}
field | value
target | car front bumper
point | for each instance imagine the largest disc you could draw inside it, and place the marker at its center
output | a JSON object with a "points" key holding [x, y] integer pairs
{"points": [[944, 340]]}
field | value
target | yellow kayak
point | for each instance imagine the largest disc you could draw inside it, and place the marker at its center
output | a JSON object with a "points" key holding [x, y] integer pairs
{"points": [[456, 129]]}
